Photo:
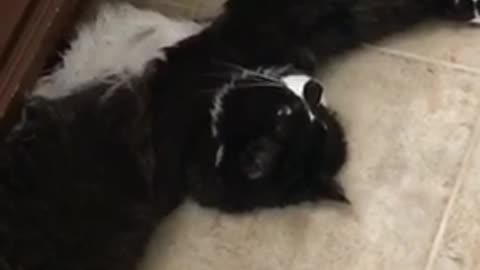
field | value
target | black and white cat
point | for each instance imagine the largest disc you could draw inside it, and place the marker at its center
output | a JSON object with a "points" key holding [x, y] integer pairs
{"points": [[87, 174], [190, 82], [86, 177], [230, 116]]}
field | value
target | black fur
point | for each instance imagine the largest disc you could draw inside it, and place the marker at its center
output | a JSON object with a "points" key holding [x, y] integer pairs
{"points": [[76, 185], [309, 32]]}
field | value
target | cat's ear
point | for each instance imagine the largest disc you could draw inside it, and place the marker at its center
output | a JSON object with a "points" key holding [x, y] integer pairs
{"points": [[259, 158], [334, 191], [313, 94], [322, 187]]}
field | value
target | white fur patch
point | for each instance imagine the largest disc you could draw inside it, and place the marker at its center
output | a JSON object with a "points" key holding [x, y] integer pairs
{"points": [[113, 88], [120, 41], [296, 83], [219, 155], [217, 108]]}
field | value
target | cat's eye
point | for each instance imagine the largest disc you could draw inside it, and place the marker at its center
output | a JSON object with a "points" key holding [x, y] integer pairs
{"points": [[312, 93]]}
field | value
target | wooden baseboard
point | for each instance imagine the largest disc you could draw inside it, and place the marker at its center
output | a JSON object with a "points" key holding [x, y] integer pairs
{"points": [[28, 40]]}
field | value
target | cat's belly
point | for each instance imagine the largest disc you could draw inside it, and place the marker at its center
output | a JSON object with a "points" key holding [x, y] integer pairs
{"points": [[120, 41]]}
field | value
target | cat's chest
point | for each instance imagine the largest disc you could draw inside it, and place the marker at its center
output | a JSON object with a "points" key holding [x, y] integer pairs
{"points": [[119, 44]]}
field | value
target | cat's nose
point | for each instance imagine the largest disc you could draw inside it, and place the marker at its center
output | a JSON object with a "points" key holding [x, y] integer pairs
{"points": [[313, 94]]}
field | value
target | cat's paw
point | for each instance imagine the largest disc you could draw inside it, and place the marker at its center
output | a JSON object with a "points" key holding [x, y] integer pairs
{"points": [[463, 10]]}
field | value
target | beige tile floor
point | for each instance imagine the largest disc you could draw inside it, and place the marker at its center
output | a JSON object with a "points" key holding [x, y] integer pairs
{"points": [[411, 107]]}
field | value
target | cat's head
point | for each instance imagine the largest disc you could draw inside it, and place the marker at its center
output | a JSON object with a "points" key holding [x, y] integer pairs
{"points": [[275, 143]]}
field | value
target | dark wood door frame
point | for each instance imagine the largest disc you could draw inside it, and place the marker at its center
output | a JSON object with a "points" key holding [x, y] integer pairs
{"points": [[29, 32]]}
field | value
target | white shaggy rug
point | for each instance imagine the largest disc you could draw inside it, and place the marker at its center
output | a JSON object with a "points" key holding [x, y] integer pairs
{"points": [[410, 115]]}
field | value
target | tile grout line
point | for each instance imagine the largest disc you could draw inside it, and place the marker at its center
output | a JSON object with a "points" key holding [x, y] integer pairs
{"points": [[460, 179], [475, 142], [424, 59]]}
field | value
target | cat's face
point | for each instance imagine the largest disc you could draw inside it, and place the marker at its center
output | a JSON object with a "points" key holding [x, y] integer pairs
{"points": [[275, 143]]}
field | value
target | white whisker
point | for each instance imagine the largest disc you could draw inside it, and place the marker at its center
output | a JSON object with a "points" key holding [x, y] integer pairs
{"points": [[260, 73], [249, 85]]}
